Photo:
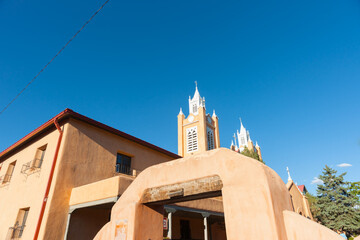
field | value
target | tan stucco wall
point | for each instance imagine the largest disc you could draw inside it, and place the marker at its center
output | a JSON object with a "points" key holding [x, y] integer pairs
{"points": [[26, 190], [87, 154], [107, 188], [299, 201], [256, 201], [298, 228], [209, 204], [218, 232]]}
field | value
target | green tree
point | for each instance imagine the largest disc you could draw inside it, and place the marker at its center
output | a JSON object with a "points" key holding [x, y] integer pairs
{"points": [[312, 204], [354, 189], [337, 207], [247, 152]]}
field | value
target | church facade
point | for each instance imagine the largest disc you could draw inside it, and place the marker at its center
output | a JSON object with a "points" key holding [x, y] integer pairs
{"points": [[199, 131], [243, 141]]}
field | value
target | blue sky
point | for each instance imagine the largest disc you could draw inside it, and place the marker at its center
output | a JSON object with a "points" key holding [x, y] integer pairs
{"points": [[289, 69]]}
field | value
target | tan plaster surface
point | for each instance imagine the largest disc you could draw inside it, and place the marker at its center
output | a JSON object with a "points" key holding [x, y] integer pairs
{"points": [[110, 187], [255, 199], [300, 203], [26, 191], [87, 155], [298, 228]]}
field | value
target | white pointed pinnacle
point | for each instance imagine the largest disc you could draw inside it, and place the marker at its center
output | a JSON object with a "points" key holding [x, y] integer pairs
{"points": [[289, 177], [232, 143], [181, 112], [256, 144], [214, 115]]}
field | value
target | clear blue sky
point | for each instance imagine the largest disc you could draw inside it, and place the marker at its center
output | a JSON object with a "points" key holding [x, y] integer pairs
{"points": [[290, 69]]}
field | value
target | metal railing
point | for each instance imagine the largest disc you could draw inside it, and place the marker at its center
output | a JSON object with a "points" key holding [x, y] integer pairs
{"points": [[126, 169], [32, 165], [5, 178], [15, 232]]}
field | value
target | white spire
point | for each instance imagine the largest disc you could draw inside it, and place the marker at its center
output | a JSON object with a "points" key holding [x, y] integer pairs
{"points": [[214, 115], [256, 145], [196, 94], [232, 143], [181, 112], [196, 102], [242, 128], [289, 177]]}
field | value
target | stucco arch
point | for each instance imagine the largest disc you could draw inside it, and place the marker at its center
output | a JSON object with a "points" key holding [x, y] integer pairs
{"points": [[254, 197]]}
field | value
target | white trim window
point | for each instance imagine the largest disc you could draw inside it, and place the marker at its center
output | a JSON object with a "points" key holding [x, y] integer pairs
{"points": [[210, 138], [192, 139], [243, 140]]}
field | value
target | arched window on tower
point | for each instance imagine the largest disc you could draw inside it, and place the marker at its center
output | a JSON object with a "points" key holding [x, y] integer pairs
{"points": [[194, 108], [192, 139], [210, 138], [242, 140]]}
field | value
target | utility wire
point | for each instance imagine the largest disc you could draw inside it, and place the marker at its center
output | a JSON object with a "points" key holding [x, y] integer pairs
{"points": [[68, 42]]}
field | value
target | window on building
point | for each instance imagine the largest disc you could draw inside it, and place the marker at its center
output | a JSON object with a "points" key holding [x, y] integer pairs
{"points": [[39, 157], [195, 108], [18, 229], [242, 141], [210, 138], [192, 139], [9, 172], [123, 164]]}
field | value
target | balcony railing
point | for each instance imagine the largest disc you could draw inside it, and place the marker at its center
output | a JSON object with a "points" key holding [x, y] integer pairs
{"points": [[4, 179], [31, 166], [15, 232], [125, 169]]}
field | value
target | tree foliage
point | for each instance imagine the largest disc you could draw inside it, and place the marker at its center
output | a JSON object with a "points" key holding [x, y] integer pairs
{"points": [[312, 204], [335, 205], [249, 153], [354, 189]]}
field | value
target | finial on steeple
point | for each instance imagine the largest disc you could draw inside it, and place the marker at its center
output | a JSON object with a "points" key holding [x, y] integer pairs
{"points": [[214, 115], [181, 112], [196, 84], [289, 177]]}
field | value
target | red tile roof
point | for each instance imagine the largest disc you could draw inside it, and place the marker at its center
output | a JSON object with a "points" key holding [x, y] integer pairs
{"points": [[68, 113], [301, 188]]}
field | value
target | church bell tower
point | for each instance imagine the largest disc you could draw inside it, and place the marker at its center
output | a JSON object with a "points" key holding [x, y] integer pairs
{"points": [[199, 131]]}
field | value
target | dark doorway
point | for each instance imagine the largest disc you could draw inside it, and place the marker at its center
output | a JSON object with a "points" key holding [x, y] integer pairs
{"points": [[86, 222], [185, 230]]}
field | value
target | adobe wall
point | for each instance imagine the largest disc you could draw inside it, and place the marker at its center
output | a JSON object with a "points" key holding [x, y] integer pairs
{"points": [[299, 227], [253, 195], [256, 201], [26, 190], [298, 200], [89, 155]]}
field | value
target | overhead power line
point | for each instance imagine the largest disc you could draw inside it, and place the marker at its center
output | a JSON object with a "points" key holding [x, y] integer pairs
{"points": [[68, 42]]}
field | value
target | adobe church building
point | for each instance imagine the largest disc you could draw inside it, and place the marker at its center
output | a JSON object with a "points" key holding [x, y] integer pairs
{"points": [[67, 173], [76, 178]]}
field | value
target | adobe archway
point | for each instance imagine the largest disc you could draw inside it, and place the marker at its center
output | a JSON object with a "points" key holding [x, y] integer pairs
{"points": [[255, 198]]}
